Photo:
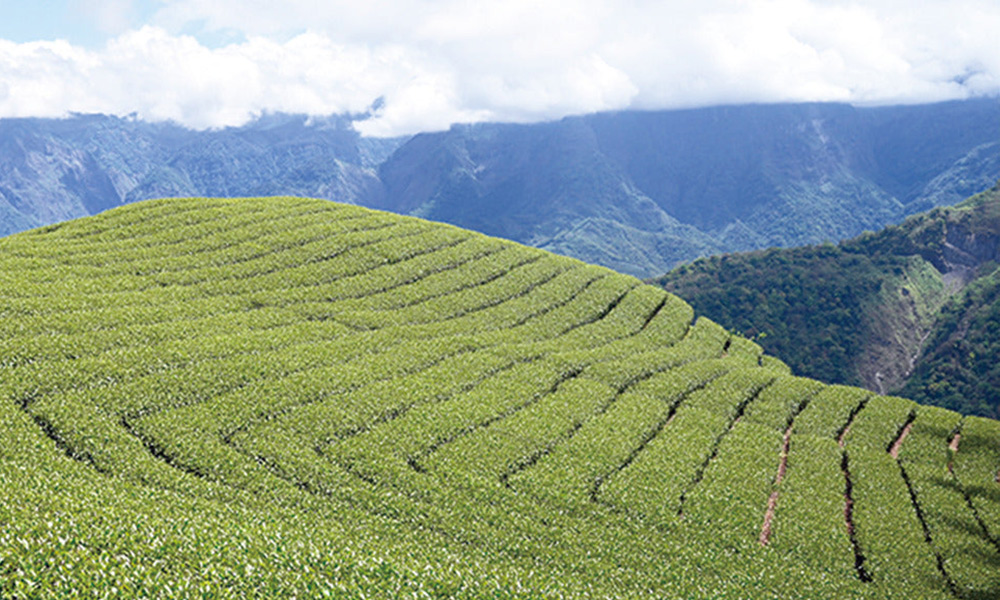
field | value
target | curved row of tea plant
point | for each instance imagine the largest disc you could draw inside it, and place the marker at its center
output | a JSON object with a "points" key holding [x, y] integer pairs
{"points": [[289, 397]]}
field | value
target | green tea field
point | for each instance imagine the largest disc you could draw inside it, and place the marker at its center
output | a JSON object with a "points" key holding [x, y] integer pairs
{"points": [[283, 397]]}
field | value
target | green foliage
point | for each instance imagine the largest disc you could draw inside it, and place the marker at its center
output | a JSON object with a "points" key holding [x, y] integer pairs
{"points": [[803, 305], [860, 312], [293, 398], [959, 369], [969, 559]]}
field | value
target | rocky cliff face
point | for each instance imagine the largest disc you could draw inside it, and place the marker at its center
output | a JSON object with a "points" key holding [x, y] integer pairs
{"points": [[963, 251]]}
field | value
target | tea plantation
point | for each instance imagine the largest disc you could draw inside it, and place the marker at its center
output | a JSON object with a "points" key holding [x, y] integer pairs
{"points": [[285, 397]]}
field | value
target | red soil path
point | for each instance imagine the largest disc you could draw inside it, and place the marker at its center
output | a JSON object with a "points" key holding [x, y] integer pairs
{"points": [[894, 450], [772, 502], [953, 446]]}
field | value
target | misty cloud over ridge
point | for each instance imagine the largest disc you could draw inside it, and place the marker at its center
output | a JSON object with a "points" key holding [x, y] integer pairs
{"points": [[434, 64]]}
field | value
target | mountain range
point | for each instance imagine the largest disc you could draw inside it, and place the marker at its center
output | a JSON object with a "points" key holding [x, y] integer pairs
{"points": [[639, 192]]}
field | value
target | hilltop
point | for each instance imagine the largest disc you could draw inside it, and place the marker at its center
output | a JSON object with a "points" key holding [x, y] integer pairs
{"points": [[281, 397], [638, 192], [911, 309]]}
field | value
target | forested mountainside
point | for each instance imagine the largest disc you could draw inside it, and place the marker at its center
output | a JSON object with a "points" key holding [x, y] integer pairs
{"points": [[635, 191], [283, 397], [913, 309]]}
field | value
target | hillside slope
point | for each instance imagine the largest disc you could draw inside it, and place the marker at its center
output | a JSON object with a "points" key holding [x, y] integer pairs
{"points": [[286, 397], [638, 192], [912, 308]]}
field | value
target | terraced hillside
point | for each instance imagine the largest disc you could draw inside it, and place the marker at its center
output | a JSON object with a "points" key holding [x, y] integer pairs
{"points": [[263, 397]]}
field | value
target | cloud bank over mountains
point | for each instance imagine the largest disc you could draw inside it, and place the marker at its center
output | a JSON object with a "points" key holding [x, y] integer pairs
{"points": [[208, 64]]}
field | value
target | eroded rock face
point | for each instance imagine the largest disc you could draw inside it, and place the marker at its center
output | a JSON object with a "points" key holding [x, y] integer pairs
{"points": [[961, 251], [968, 248]]}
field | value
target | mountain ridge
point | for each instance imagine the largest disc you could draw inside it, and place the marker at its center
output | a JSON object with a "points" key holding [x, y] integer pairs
{"points": [[635, 191]]}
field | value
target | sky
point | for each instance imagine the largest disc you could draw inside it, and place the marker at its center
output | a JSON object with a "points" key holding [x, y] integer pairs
{"points": [[422, 65]]}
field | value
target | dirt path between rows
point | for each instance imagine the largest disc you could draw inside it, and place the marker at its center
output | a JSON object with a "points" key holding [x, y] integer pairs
{"points": [[772, 501], [894, 450], [953, 446], [843, 434]]}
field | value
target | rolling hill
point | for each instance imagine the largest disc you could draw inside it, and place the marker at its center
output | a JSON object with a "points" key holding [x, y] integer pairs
{"points": [[912, 309], [638, 192], [282, 397]]}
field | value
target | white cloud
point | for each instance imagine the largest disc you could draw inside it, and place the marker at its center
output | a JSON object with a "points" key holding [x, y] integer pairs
{"points": [[166, 77], [436, 63]]}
